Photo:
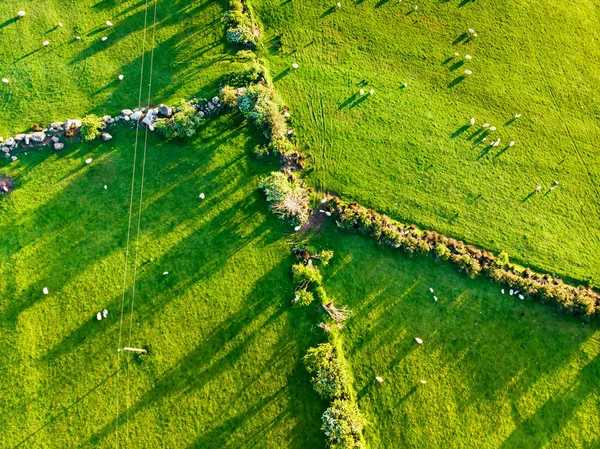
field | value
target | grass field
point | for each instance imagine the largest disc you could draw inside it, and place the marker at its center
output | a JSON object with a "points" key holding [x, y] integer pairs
{"points": [[500, 373], [70, 78], [407, 151], [224, 368]]}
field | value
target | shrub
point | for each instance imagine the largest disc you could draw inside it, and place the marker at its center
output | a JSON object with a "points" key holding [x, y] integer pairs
{"points": [[502, 259], [90, 127], [467, 264], [342, 424], [261, 105], [329, 375], [229, 96], [241, 29], [288, 198], [442, 251], [321, 295], [182, 124], [325, 256], [251, 73], [303, 298], [304, 275]]}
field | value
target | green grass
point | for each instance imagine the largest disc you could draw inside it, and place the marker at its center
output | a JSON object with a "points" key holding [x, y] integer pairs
{"points": [[225, 366], [501, 373], [70, 78], [405, 152]]}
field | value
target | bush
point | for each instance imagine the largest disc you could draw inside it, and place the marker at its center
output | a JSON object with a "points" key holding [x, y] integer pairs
{"points": [[329, 375], [467, 264], [251, 73], [90, 127], [229, 96], [342, 424], [442, 251], [303, 298], [502, 259], [288, 198], [241, 28], [325, 256], [261, 105], [182, 124], [305, 275]]}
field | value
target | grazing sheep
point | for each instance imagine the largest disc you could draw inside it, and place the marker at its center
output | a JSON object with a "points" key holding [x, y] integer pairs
{"points": [[468, 72], [361, 92], [423, 381], [99, 316], [496, 143], [436, 298], [511, 292], [104, 38], [46, 43], [538, 188], [21, 14], [516, 116], [121, 77], [372, 91], [468, 57], [104, 313], [492, 128], [45, 290], [472, 121], [502, 291], [109, 23], [485, 125], [295, 66], [418, 340], [512, 143], [297, 228], [202, 196], [378, 379], [430, 289], [456, 54], [88, 160], [5, 80], [471, 31]]}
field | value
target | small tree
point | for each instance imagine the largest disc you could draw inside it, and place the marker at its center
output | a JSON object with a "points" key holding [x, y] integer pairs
{"points": [[329, 375], [342, 424], [305, 275], [90, 127]]}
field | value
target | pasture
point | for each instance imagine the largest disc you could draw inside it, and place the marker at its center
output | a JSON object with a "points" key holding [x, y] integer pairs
{"points": [[409, 152]]}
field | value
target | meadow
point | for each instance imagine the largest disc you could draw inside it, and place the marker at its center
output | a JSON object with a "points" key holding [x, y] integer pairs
{"points": [[409, 152], [214, 284]]}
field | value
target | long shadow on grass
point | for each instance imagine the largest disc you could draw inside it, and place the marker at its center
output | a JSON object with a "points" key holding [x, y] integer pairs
{"points": [[499, 347]]}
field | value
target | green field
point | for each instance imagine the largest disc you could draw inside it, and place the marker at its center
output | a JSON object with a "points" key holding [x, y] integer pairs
{"points": [[406, 152], [224, 368], [500, 373]]}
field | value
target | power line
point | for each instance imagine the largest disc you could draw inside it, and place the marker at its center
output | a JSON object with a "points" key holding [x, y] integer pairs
{"points": [[129, 229], [137, 244]]}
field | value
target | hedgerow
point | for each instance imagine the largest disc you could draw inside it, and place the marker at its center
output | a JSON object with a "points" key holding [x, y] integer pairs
{"points": [[469, 259], [343, 424], [242, 29], [182, 124], [329, 375]]}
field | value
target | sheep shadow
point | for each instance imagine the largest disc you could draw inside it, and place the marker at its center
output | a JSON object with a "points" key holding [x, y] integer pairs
{"points": [[380, 3], [528, 196], [459, 131], [348, 101], [8, 22], [447, 60], [457, 65], [510, 122], [460, 39], [282, 75], [464, 3], [485, 151], [502, 151], [359, 101], [475, 135], [329, 11], [456, 81]]}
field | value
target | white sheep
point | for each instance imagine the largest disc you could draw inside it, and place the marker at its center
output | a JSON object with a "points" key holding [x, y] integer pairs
{"points": [[512, 143], [5, 80], [418, 340], [104, 38], [471, 31], [121, 77], [295, 65], [99, 316], [468, 57], [378, 379], [372, 91], [21, 14], [538, 188], [109, 23], [472, 121], [468, 72], [46, 43], [492, 128], [361, 92], [485, 125]]}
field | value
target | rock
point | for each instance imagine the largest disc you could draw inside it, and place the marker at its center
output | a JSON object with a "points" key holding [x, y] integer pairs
{"points": [[137, 115], [150, 119], [165, 111], [201, 113], [6, 150], [126, 112], [76, 123], [27, 139], [59, 146], [110, 121], [105, 136], [55, 139], [68, 124], [9, 142], [106, 117], [126, 118], [38, 136], [14, 158], [19, 137], [57, 125], [215, 100], [211, 106]]}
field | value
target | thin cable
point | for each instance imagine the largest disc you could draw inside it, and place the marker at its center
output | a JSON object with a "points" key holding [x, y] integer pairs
{"points": [[137, 243], [129, 231]]}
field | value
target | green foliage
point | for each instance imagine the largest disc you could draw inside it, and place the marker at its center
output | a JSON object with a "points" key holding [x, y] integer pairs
{"points": [[306, 275], [502, 259], [288, 198], [342, 424], [241, 28], [442, 251], [229, 96], [91, 126], [182, 124], [251, 73], [325, 256], [262, 106], [303, 298], [329, 373]]}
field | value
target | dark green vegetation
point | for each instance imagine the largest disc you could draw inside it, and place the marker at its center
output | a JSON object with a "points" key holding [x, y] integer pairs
{"points": [[225, 365], [408, 152], [500, 373]]}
